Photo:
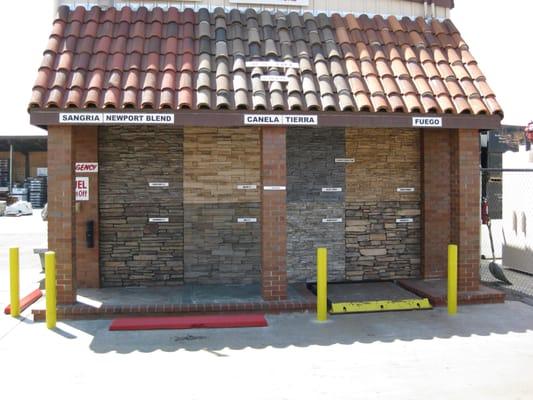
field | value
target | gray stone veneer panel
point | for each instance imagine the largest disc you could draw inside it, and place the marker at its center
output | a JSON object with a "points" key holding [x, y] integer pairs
{"points": [[133, 251], [306, 232], [218, 249], [311, 164], [377, 247]]}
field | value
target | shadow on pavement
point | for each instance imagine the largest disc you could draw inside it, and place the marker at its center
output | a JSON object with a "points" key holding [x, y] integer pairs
{"points": [[301, 330]]}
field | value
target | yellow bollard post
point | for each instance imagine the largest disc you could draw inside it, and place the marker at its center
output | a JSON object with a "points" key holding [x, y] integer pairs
{"points": [[322, 284], [452, 279], [50, 285], [14, 275]]}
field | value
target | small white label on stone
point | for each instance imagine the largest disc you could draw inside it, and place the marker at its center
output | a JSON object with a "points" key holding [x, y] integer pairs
{"points": [[246, 187], [332, 189], [272, 64], [345, 160], [158, 184], [158, 220], [427, 122], [331, 220], [404, 220], [274, 188], [274, 78], [405, 189], [245, 220]]}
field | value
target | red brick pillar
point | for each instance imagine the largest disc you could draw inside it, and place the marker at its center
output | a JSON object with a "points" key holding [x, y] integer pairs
{"points": [[273, 214], [61, 219], [436, 202], [87, 259], [465, 205]]}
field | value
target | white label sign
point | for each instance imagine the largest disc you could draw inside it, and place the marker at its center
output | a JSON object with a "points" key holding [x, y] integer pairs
{"points": [[246, 187], [427, 122], [274, 188], [405, 190], [244, 220], [158, 220], [82, 188], [299, 3], [274, 78], [279, 119], [272, 64], [331, 220], [117, 118], [86, 167], [158, 184], [335, 189], [404, 220], [345, 160]]}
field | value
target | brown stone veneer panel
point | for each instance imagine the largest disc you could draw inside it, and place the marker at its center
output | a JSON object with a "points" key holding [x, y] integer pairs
{"points": [[377, 247], [216, 161], [385, 159], [134, 252]]}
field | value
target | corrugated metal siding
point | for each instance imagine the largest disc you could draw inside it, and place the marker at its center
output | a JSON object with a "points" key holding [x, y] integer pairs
{"points": [[383, 7]]}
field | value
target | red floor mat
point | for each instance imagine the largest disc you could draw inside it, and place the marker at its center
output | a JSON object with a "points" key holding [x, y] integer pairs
{"points": [[189, 322], [26, 301]]}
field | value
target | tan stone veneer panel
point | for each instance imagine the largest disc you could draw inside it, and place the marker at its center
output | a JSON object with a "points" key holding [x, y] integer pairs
{"points": [[216, 161], [385, 159]]}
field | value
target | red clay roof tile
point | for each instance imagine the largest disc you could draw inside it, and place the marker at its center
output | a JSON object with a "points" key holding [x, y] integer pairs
{"points": [[196, 59]]}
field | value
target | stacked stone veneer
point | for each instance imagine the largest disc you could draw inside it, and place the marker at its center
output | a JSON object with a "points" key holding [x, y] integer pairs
{"points": [[133, 251], [377, 247], [219, 249], [311, 166]]}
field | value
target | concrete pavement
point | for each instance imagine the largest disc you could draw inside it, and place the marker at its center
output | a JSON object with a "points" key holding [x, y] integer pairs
{"points": [[485, 352]]}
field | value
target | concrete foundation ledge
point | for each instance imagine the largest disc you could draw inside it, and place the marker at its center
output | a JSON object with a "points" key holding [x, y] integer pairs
{"points": [[435, 290]]}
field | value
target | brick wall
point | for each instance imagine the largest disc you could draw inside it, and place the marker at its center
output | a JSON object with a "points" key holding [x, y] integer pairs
{"points": [[87, 259], [38, 159], [61, 218], [219, 249], [465, 205], [377, 247], [311, 166], [273, 214], [134, 251], [19, 165], [437, 205]]}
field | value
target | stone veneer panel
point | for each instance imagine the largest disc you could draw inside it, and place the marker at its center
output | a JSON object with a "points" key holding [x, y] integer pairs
{"points": [[306, 232], [216, 161], [378, 247], [385, 159], [134, 252], [311, 166], [219, 249]]}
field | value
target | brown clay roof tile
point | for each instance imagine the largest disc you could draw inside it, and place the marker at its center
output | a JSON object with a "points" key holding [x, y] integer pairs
{"points": [[196, 59]]}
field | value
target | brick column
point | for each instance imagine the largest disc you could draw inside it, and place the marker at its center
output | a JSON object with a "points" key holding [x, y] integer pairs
{"points": [[465, 205], [436, 202], [61, 219], [87, 259], [273, 214]]}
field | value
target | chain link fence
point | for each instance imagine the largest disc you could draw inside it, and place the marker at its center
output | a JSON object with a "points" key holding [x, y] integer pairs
{"points": [[507, 200]]}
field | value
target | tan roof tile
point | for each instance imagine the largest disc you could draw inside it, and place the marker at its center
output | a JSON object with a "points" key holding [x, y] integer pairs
{"points": [[185, 59]]}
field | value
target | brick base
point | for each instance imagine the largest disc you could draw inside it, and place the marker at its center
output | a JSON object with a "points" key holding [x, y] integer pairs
{"points": [[436, 291]]}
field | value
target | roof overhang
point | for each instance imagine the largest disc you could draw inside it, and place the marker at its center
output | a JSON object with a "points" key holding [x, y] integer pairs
{"points": [[226, 118]]}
